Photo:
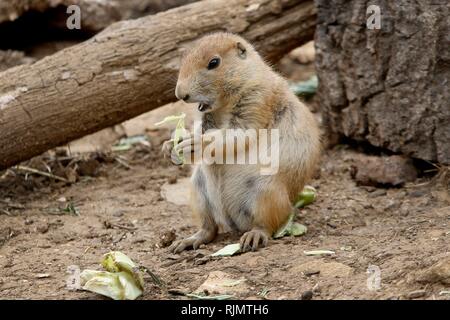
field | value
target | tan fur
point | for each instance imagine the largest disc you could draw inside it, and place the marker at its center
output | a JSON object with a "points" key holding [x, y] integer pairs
{"points": [[273, 207], [244, 92], [201, 221]]}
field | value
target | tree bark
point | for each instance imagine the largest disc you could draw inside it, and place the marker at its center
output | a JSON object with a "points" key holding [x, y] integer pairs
{"points": [[390, 86], [128, 69]]}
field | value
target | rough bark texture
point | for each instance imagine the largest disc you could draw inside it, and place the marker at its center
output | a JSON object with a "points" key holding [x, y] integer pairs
{"points": [[389, 87], [96, 15], [130, 68]]}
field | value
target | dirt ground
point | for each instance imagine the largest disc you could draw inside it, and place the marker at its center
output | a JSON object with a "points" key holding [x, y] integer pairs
{"points": [[400, 230], [117, 203]]}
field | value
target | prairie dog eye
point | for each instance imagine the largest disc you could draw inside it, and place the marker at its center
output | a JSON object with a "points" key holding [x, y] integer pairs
{"points": [[213, 63]]}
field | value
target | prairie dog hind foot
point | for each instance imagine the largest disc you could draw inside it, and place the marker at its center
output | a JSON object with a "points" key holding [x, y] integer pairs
{"points": [[194, 241]]}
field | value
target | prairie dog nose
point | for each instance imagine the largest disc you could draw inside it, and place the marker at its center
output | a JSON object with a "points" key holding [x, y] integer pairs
{"points": [[181, 94]]}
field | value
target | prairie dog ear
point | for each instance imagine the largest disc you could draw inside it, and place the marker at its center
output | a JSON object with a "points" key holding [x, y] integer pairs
{"points": [[242, 50]]}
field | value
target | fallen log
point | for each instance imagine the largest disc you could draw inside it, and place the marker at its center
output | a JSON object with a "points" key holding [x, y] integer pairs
{"points": [[128, 69]]}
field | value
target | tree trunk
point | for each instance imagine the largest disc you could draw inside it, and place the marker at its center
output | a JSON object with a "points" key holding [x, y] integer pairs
{"points": [[390, 86], [128, 69]]}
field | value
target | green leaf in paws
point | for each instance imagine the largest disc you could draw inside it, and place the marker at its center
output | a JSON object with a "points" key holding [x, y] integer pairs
{"points": [[179, 130]]}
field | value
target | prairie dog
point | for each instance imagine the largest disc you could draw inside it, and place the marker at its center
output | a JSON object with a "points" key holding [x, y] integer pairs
{"points": [[235, 88]]}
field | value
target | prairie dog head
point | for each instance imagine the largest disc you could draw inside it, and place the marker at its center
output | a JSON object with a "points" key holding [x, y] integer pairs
{"points": [[215, 70]]}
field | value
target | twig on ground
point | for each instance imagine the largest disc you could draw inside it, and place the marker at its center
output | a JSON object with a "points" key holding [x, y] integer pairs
{"points": [[119, 226], [122, 162], [12, 205], [6, 174], [42, 173], [5, 212], [155, 279]]}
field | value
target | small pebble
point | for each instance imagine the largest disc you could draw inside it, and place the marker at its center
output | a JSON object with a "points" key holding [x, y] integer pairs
{"points": [[43, 228], [118, 213], [392, 205], [307, 295], [167, 238], [172, 179], [310, 273], [377, 193], [177, 292], [417, 193], [369, 188], [417, 294]]}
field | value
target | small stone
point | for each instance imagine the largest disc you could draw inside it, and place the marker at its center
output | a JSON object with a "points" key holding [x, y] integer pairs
{"points": [[417, 294], [310, 273], [378, 193], [89, 167], [139, 240], [404, 211], [43, 228], [369, 188], [118, 213], [387, 170], [172, 179], [417, 193], [167, 238], [177, 292], [367, 206], [392, 205], [307, 295], [142, 187], [401, 194]]}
